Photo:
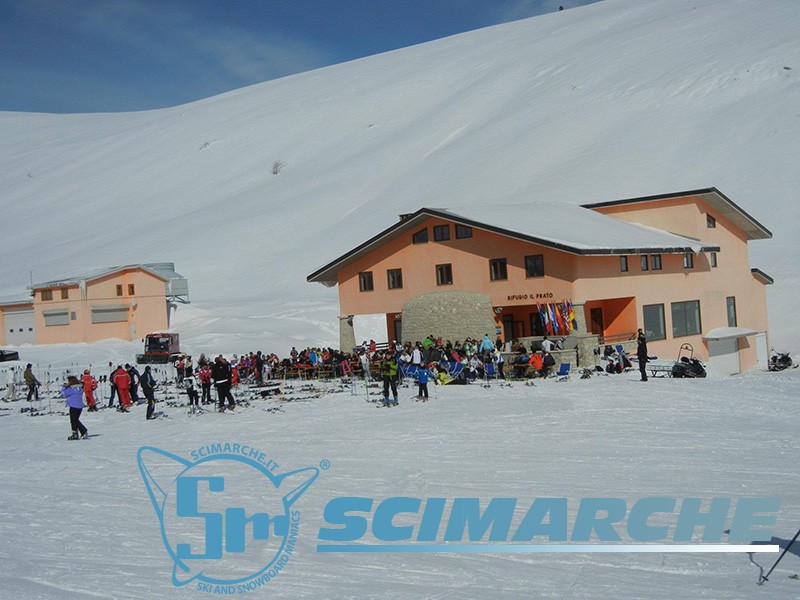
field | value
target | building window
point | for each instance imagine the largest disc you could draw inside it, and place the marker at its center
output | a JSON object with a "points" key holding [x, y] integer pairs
{"points": [[444, 274], [645, 263], [623, 264], [110, 313], [688, 260], [730, 303], [55, 317], [395, 278], [534, 265], [441, 233], [655, 261], [463, 232], [64, 294], [498, 269], [711, 222], [365, 281], [47, 295], [119, 289], [420, 237], [131, 289], [713, 259], [654, 325], [685, 318]]}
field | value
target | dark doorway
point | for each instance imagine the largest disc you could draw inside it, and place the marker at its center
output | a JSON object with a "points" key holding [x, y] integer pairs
{"points": [[596, 321]]}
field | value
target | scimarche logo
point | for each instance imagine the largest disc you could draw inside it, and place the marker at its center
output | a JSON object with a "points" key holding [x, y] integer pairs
{"points": [[227, 519]]}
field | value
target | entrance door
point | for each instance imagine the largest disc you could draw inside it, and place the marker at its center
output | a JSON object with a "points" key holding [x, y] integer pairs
{"points": [[508, 327], [398, 331], [723, 357], [761, 351], [596, 321]]}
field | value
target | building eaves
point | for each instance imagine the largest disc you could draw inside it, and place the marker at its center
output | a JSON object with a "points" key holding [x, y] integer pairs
{"points": [[714, 198]]}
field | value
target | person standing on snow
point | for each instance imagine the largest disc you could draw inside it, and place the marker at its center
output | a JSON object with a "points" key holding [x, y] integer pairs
{"points": [[148, 383], [389, 369], [112, 371], [423, 376], [11, 385], [204, 377], [73, 392], [641, 353], [89, 386], [134, 387], [122, 380], [32, 383], [221, 374]]}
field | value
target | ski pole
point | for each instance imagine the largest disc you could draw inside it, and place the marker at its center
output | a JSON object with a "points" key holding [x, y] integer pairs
{"points": [[785, 550]]}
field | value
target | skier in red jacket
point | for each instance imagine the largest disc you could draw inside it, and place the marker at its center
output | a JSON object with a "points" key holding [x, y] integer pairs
{"points": [[89, 386], [123, 382]]}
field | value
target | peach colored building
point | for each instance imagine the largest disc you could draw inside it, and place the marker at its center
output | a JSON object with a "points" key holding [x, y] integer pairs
{"points": [[676, 265], [119, 302]]}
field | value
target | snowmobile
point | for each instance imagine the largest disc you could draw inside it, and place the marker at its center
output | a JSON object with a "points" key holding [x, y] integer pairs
{"points": [[780, 361], [687, 365]]}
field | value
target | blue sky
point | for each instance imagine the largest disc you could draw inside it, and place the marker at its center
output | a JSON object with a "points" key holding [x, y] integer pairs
{"points": [[66, 56]]}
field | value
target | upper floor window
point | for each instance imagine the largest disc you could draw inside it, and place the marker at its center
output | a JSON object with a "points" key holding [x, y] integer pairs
{"points": [[655, 261], [498, 269], [420, 237], [713, 259], [534, 265], [688, 260], [645, 263], [131, 289], [444, 274], [119, 289], [47, 294], [685, 318], [623, 264], [395, 278], [64, 293], [463, 231], [441, 233], [365, 281], [711, 222]]}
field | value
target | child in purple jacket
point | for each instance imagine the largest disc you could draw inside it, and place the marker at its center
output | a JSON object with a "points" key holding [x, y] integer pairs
{"points": [[73, 392]]}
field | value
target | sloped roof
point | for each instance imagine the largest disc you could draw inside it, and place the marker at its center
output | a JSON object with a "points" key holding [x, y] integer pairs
{"points": [[93, 274], [714, 198], [565, 227]]}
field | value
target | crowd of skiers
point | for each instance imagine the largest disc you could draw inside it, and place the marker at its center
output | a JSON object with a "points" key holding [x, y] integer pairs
{"points": [[425, 360]]}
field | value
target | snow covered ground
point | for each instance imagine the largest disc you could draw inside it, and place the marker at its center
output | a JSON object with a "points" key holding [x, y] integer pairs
{"points": [[76, 521], [618, 99]]}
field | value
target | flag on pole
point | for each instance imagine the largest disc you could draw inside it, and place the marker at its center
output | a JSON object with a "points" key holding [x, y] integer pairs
{"points": [[548, 326], [573, 320], [553, 319]]}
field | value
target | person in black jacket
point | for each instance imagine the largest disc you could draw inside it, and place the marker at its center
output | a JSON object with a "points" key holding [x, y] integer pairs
{"points": [[148, 383], [641, 353], [221, 374]]}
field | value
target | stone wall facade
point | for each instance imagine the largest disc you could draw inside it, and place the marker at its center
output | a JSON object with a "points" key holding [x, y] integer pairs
{"points": [[452, 315]]}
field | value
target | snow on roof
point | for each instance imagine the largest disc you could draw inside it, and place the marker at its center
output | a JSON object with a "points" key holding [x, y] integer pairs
{"points": [[562, 226], [96, 274], [726, 333], [578, 229]]}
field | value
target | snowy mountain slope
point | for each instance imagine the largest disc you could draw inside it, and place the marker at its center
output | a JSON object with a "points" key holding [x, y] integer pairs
{"points": [[613, 100]]}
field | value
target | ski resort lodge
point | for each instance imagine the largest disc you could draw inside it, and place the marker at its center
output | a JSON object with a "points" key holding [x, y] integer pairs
{"points": [[675, 265], [125, 302]]}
